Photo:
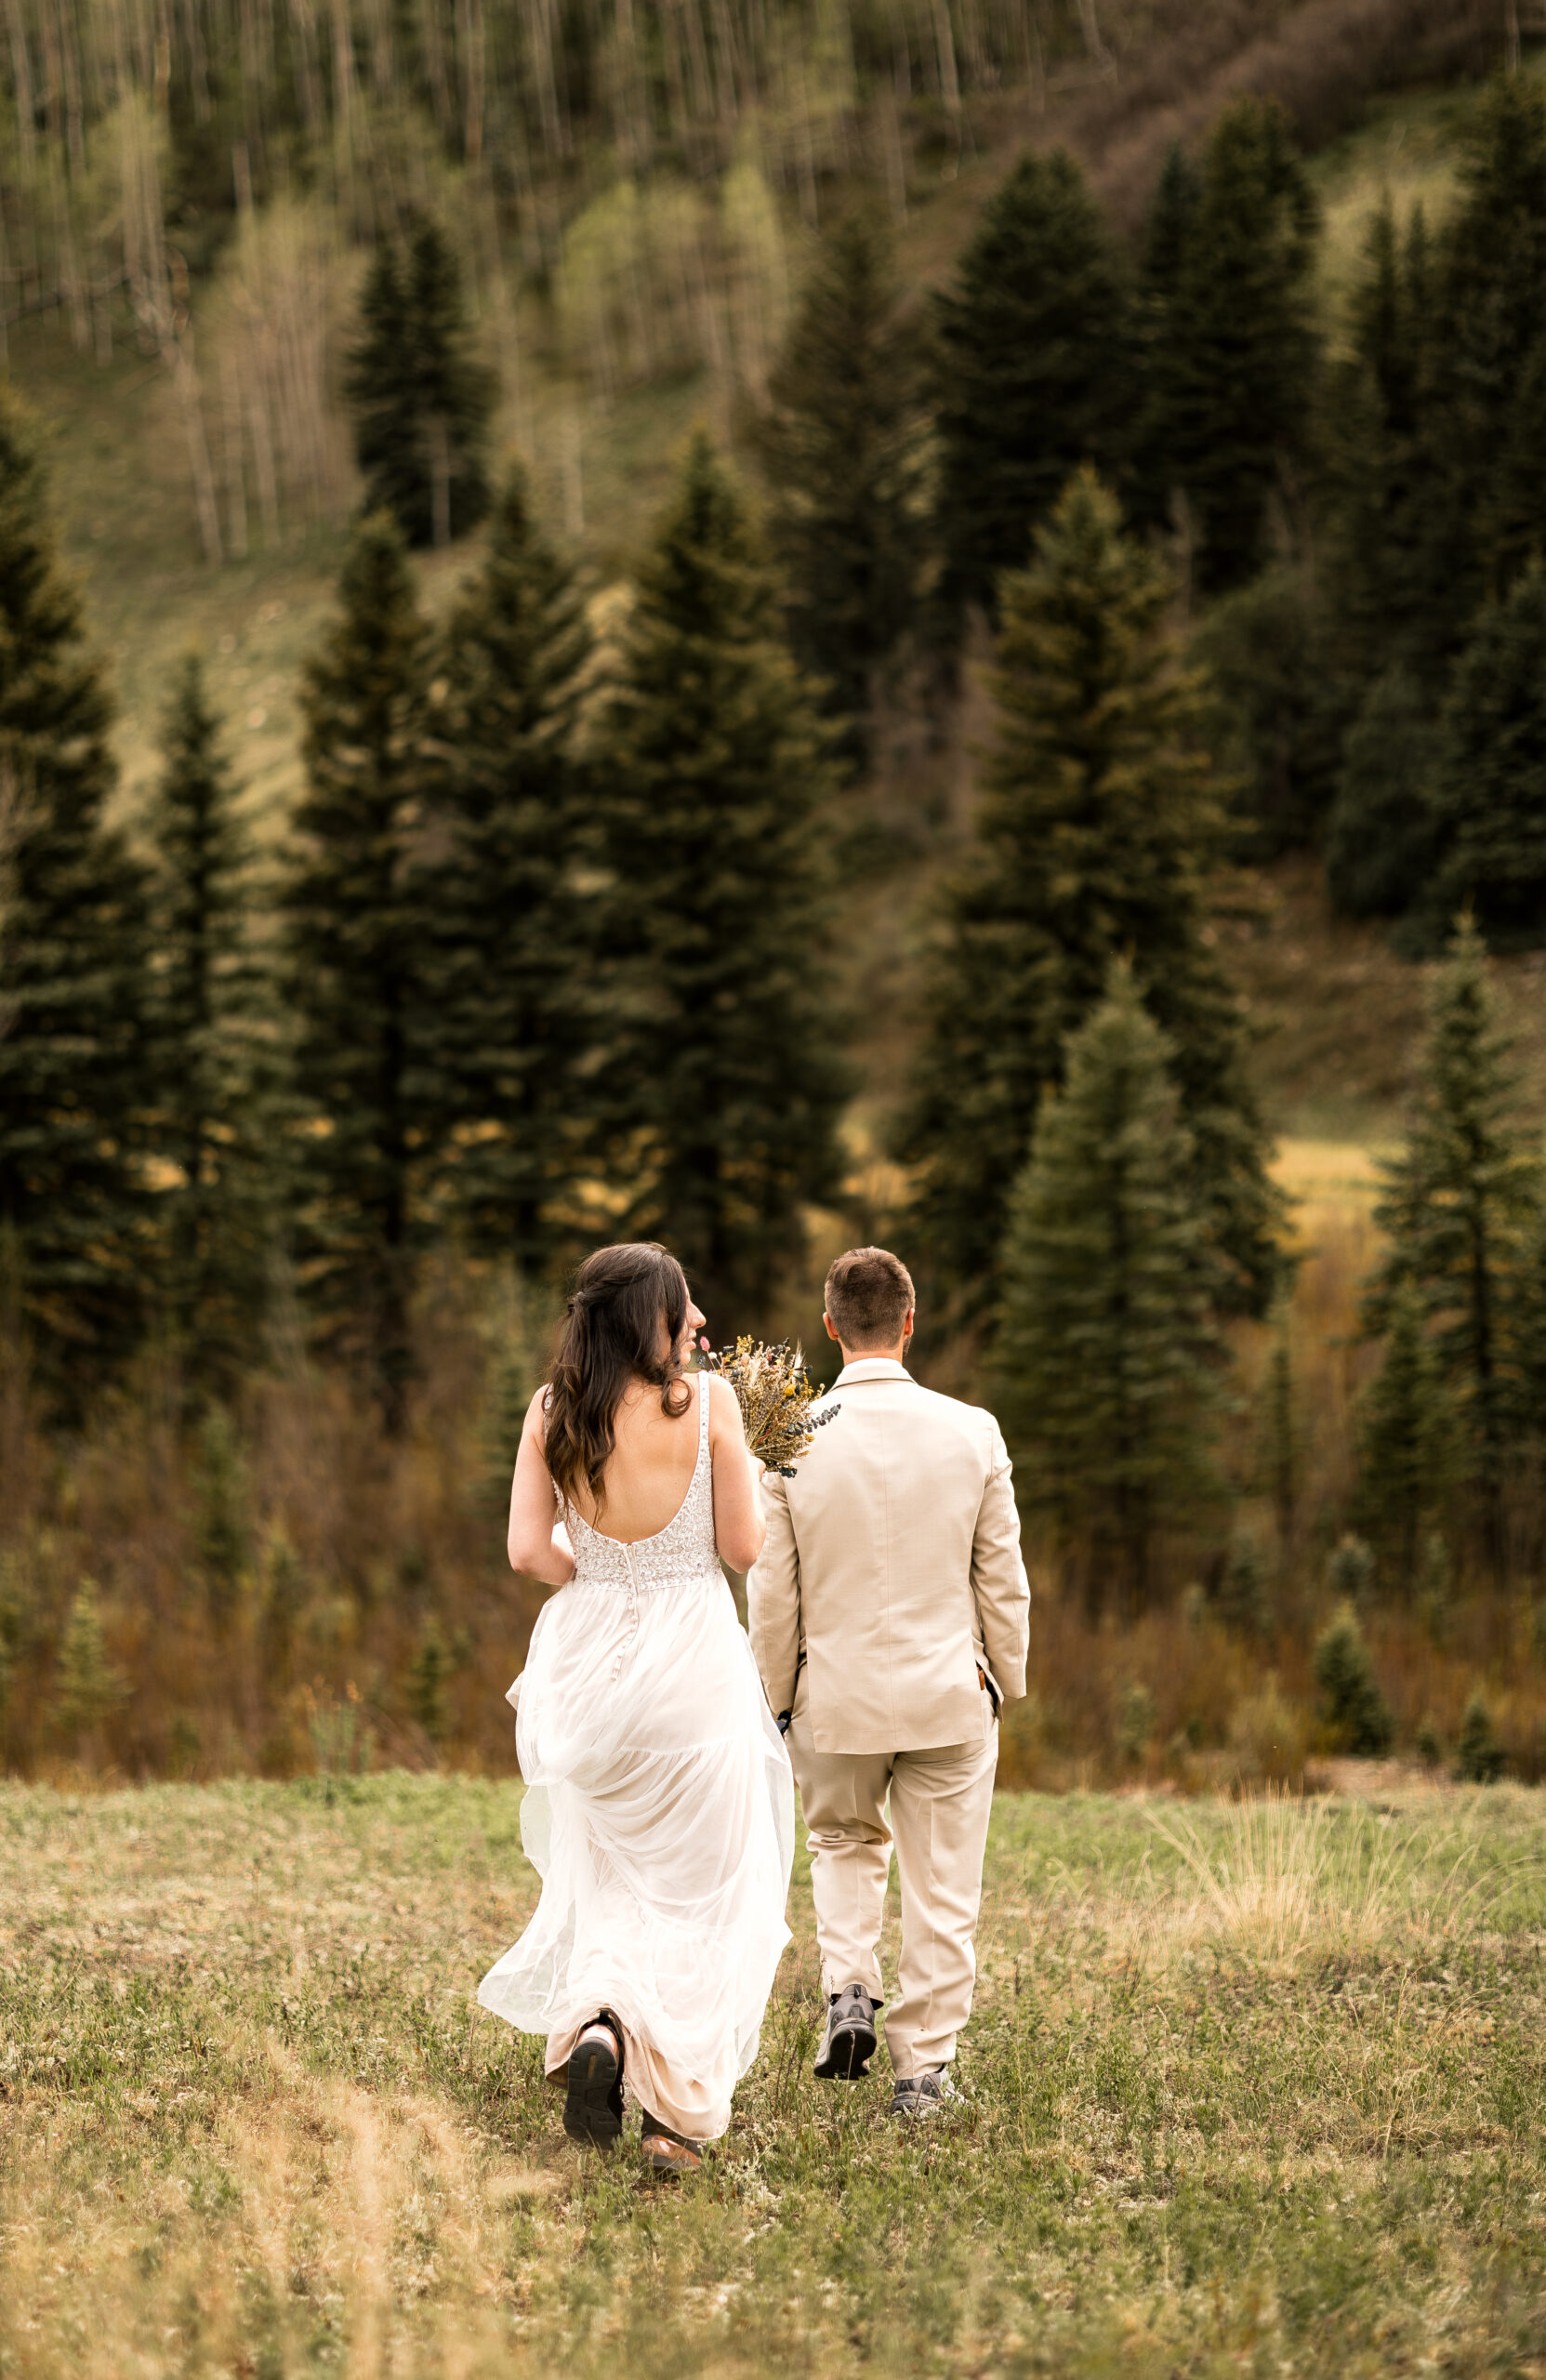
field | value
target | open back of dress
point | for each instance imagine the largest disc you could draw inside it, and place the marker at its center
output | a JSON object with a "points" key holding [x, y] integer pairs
{"points": [[658, 1812]]}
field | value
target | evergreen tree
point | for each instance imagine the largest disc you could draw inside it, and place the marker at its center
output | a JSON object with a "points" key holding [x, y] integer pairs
{"points": [[1352, 1704], [1404, 1441], [503, 1011], [1107, 1361], [1382, 425], [355, 943], [74, 1203], [1488, 798], [214, 1061], [1035, 371], [1100, 822], [87, 1686], [421, 401], [1382, 836], [1489, 331], [1264, 648], [1232, 353], [1460, 1206], [842, 447], [720, 1054]]}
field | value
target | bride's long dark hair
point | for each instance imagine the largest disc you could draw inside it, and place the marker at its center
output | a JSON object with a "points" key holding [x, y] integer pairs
{"points": [[612, 1335]]}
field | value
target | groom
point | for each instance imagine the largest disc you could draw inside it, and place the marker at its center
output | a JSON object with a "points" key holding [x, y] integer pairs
{"points": [[888, 1612]]}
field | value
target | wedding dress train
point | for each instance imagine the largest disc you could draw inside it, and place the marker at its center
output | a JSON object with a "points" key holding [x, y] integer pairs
{"points": [[658, 1812]]}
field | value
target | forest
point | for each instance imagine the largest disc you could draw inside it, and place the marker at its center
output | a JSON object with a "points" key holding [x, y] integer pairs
{"points": [[740, 627]]}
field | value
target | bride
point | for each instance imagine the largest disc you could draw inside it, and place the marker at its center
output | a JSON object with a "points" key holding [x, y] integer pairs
{"points": [[659, 1806]]}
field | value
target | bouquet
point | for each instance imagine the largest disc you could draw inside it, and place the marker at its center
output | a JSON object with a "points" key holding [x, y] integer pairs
{"points": [[776, 1394]]}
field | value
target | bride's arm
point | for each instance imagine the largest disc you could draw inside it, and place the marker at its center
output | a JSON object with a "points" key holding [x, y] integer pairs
{"points": [[537, 1543], [739, 1522]]}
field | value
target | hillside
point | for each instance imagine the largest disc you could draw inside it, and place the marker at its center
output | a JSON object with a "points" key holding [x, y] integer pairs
{"points": [[1335, 1012]]}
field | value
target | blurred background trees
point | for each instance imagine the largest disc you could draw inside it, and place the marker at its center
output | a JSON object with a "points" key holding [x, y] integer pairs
{"points": [[806, 630]]}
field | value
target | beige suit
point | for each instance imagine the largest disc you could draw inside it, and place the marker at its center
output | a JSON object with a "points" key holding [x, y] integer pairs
{"points": [[890, 1586]]}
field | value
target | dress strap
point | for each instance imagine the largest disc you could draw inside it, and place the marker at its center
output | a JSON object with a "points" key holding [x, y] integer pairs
{"points": [[703, 1415]]}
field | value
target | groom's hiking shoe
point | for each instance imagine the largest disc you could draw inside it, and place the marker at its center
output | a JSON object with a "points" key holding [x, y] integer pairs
{"points": [[929, 2094], [850, 2042], [593, 2107]]}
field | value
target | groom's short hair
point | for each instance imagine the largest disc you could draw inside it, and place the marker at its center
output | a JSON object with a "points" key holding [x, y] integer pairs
{"points": [[869, 1294]]}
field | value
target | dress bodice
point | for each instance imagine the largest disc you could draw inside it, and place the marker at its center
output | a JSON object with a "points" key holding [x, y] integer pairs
{"points": [[684, 1549]]}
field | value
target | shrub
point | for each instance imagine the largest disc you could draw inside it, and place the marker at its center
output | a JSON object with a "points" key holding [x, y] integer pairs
{"points": [[1350, 1572], [1352, 1705], [1478, 1755]]}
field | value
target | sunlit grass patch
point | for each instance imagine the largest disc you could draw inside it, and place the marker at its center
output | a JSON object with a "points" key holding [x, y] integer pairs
{"points": [[1250, 2087]]}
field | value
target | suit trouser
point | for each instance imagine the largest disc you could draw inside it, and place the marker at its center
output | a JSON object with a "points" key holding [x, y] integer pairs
{"points": [[939, 1805]]}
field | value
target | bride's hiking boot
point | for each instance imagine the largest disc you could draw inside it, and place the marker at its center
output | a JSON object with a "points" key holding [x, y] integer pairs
{"points": [[593, 2106], [849, 2044], [667, 2152]]}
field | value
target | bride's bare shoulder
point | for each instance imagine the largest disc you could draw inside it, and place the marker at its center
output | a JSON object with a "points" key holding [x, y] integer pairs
{"points": [[535, 1424]]}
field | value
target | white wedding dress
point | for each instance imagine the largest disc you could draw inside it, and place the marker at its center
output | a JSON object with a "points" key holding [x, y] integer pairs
{"points": [[659, 1813]]}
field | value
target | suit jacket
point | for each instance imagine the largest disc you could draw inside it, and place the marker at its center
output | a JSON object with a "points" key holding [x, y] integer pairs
{"points": [[892, 1564]]}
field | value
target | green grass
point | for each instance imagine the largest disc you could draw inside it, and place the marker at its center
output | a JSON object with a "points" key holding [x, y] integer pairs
{"points": [[1250, 2089]]}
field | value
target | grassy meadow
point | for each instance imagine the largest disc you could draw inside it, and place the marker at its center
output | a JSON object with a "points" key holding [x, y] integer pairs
{"points": [[1251, 2087]]}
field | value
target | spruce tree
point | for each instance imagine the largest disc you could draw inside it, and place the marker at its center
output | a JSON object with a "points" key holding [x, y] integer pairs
{"points": [[718, 1056], [355, 949], [1489, 329], [1382, 832], [507, 957], [1460, 1207], [1232, 353], [1385, 470], [1099, 821], [1405, 1439], [1036, 369], [74, 1211], [1487, 802], [421, 401], [214, 1050], [842, 446], [1106, 1362]]}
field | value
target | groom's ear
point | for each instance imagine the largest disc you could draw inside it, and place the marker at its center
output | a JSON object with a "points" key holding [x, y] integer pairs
{"points": [[831, 1326]]}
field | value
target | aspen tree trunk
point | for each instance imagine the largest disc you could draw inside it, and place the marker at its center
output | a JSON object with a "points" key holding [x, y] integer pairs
{"points": [[432, 44], [263, 462], [1090, 26], [471, 18], [944, 46], [1510, 36], [236, 488], [21, 71]]}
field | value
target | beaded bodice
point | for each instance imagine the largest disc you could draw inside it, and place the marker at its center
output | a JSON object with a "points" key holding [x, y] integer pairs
{"points": [[684, 1549]]}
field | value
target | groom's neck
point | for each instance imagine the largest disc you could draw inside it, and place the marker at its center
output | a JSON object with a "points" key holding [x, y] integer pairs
{"points": [[873, 1355]]}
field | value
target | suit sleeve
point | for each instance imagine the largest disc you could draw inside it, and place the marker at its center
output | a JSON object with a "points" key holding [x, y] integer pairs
{"points": [[773, 1599], [999, 1580]]}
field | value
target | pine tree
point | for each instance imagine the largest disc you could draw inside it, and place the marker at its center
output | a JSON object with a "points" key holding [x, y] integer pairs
{"points": [[1106, 1362], [1352, 1704], [214, 1056], [421, 401], [1488, 330], [1264, 648], [355, 943], [1232, 355], [1403, 1450], [720, 1054], [87, 1686], [1488, 803], [1035, 372], [1383, 829], [1100, 822], [1382, 425], [1460, 1207], [842, 448], [505, 1002], [73, 1202]]}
